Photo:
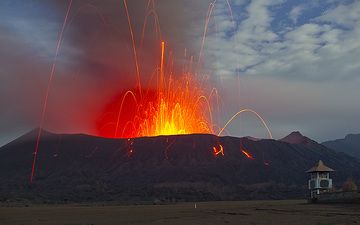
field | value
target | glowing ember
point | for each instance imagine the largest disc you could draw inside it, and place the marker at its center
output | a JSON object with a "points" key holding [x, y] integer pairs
{"points": [[218, 151], [247, 155]]}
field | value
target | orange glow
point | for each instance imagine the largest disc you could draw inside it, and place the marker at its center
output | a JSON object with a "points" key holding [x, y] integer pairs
{"points": [[218, 151], [175, 111], [247, 155], [162, 65], [176, 104], [179, 104]]}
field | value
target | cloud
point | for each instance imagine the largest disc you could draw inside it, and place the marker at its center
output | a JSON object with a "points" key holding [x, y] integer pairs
{"points": [[309, 67], [296, 12], [272, 44], [324, 47], [346, 15]]}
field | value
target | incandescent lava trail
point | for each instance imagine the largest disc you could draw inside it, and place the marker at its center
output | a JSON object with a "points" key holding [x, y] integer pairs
{"points": [[33, 168]]}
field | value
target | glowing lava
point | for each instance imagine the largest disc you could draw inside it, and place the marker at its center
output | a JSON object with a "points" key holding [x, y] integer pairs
{"points": [[179, 109], [177, 106], [218, 151], [247, 155]]}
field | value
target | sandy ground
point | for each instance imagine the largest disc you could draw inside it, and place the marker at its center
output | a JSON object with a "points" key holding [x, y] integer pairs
{"points": [[217, 213]]}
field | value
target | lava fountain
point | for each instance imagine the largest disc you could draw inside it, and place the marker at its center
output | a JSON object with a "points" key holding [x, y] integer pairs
{"points": [[179, 103], [177, 106]]}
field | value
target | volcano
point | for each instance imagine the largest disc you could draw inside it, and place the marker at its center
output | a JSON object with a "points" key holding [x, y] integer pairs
{"points": [[82, 168]]}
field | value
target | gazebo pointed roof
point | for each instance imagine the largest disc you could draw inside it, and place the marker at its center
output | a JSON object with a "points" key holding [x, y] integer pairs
{"points": [[320, 167]]}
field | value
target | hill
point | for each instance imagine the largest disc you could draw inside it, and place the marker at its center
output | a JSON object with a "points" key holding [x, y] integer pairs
{"points": [[298, 139], [350, 145], [82, 168]]}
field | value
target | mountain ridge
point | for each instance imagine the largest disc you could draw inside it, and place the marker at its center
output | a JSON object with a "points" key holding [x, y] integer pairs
{"points": [[350, 144], [82, 168]]}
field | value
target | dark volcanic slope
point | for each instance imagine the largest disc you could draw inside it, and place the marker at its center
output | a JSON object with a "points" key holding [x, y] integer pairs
{"points": [[350, 145], [85, 168]]}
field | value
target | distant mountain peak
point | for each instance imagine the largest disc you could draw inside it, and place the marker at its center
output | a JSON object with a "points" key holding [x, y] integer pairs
{"points": [[350, 145], [297, 138]]}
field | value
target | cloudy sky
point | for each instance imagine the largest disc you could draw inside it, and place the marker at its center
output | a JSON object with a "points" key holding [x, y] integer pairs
{"points": [[296, 62]]}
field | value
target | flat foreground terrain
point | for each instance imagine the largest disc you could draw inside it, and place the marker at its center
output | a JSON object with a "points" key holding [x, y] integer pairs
{"points": [[217, 213]]}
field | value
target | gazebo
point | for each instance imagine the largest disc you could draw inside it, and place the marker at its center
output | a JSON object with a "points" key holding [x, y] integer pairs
{"points": [[319, 181]]}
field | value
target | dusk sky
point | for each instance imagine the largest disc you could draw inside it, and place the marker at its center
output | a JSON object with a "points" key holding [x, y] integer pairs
{"points": [[296, 62]]}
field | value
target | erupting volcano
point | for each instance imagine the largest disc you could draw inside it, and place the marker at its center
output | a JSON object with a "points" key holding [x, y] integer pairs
{"points": [[179, 105], [171, 103], [151, 112]]}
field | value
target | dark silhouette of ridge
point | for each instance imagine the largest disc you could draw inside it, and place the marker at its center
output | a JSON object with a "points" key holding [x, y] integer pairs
{"points": [[349, 145], [82, 168]]}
